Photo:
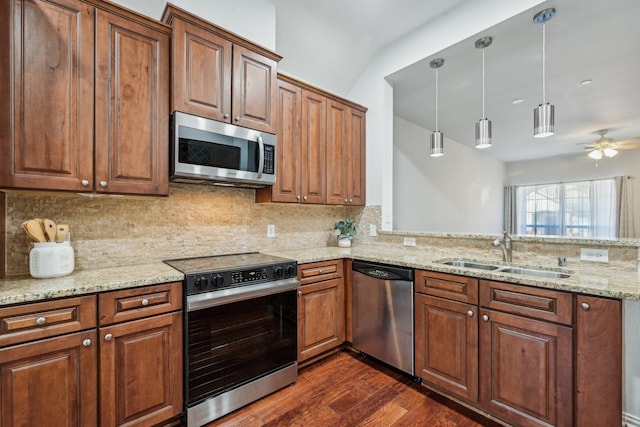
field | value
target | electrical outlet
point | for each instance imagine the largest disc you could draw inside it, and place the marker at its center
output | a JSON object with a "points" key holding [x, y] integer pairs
{"points": [[594, 255], [373, 230], [271, 230], [409, 241]]}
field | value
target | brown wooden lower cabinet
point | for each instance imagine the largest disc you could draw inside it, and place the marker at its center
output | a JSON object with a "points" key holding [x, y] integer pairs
{"points": [[321, 309], [50, 382], [140, 371]]}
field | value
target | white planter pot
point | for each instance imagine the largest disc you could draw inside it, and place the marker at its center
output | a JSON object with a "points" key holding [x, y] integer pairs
{"points": [[344, 243]]}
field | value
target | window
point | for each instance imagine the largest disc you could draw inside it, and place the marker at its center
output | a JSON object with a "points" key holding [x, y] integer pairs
{"points": [[582, 209]]}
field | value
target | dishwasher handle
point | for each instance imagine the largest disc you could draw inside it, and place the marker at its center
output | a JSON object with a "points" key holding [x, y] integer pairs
{"points": [[383, 272]]}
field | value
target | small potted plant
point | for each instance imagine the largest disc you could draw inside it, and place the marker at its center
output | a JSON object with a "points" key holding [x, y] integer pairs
{"points": [[345, 231]]}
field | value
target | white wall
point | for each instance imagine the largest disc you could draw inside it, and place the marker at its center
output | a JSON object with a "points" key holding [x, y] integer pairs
{"points": [[578, 167], [460, 192], [254, 20], [373, 91]]}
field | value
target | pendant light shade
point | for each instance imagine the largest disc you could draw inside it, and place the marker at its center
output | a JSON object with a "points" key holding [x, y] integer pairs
{"points": [[483, 126], [543, 115], [436, 148]]}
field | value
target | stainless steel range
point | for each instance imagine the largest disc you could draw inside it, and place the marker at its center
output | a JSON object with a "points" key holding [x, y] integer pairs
{"points": [[240, 331]]}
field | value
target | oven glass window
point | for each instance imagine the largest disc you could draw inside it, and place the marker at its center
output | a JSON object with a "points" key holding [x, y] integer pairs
{"points": [[232, 344], [198, 147]]}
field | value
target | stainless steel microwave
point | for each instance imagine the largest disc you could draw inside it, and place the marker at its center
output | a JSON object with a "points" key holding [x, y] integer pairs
{"points": [[207, 151]]}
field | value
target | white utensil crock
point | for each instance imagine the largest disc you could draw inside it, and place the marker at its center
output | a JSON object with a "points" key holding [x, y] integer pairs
{"points": [[51, 259]]}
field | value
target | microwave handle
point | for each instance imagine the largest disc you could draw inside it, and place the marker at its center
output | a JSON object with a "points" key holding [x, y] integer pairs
{"points": [[261, 160]]}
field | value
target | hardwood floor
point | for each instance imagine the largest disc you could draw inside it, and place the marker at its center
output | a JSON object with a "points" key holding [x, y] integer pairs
{"points": [[346, 389]]}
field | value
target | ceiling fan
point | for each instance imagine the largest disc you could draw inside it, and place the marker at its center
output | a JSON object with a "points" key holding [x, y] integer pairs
{"points": [[608, 147]]}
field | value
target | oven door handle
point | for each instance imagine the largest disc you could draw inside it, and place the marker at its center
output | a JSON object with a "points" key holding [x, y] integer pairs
{"points": [[242, 293]]}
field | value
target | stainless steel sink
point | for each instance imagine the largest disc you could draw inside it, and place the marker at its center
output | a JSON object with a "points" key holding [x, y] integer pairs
{"points": [[534, 272], [471, 264], [523, 271]]}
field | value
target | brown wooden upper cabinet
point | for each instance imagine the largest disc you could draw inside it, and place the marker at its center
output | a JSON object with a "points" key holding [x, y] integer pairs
{"points": [[321, 148], [219, 75], [84, 89]]}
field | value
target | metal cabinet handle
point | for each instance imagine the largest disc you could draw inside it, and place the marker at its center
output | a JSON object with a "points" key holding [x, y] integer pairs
{"points": [[237, 118], [41, 321], [86, 342], [346, 201], [85, 182], [585, 306], [226, 115], [144, 302], [300, 293], [470, 313], [103, 184], [485, 317], [305, 198], [350, 200], [321, 270], [298, 197], [108, 337]]}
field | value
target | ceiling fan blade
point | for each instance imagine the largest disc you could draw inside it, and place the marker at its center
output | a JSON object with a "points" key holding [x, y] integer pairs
{"points": [[634, 140]]}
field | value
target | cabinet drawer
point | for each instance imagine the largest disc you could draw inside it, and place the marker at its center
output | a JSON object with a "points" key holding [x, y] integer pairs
{"points": [[450, 286], [46, 319], [130, 304], [543, 304], [319, 271]]}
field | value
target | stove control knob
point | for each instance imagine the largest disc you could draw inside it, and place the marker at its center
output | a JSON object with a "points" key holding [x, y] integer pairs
{"points": [[290, 270], [201, 282], [278, 272], [217, 281]]}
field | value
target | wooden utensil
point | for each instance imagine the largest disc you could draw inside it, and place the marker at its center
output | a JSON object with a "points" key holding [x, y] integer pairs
{"points": [[34, 230], [61, 232], [50, 230]]}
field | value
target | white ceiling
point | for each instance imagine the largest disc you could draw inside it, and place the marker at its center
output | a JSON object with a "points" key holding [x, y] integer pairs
{"points": [[587, 39]]}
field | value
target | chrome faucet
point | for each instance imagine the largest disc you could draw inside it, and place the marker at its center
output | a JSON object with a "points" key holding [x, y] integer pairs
{"points": [[505, 245]]}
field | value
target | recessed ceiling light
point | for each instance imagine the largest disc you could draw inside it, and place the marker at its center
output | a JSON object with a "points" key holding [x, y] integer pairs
{"points": [[517, 101], [586, 82]]}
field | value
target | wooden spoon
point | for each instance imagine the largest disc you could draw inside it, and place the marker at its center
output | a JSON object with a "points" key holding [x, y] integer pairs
{"points": [[61, 232], [34, 230], [50, 230]]}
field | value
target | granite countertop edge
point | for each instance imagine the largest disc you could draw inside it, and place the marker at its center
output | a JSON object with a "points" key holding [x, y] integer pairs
{"points": [[602, 281]]}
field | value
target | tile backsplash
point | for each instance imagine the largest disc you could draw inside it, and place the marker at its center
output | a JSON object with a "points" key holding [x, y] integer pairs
{"points": [[194, 220]]}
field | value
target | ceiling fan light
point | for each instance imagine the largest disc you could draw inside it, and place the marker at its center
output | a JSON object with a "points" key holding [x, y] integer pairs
{"points": [[437, 144], [595, 154], [543, 121], [610, 152], [483, 133]]}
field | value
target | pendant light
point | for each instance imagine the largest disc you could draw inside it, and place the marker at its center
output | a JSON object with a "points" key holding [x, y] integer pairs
{"points": [[437, 137], [543, 115], [483, 126]]}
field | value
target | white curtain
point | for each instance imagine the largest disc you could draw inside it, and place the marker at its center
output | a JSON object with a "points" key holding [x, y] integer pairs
{"points": [[624, 209]]}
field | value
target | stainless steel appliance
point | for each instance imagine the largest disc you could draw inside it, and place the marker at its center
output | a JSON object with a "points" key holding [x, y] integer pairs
{"points": [[383, 313], [240, 331], [204, 150]]}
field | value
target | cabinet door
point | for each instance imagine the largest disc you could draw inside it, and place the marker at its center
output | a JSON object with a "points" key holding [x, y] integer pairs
{"points": [[51, 382], [446, 343], [356, 159], [314, 124], [526, 369], [254, 90], [598, 361], [141, 371], [46, 124], [289, 165], [338, 135], [201, 72], [132, 107], [321, 324]]}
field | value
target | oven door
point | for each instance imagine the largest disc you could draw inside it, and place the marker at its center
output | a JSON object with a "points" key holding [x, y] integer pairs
{"points": [[237, 336]]}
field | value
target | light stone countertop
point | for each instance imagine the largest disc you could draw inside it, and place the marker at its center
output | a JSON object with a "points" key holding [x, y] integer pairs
{"points": [[596, 280]]}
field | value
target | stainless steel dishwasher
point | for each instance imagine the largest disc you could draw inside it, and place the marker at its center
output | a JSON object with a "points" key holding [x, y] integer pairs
{"points": [[383, 313]]}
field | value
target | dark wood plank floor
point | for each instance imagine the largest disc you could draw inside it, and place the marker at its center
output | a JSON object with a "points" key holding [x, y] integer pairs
{"points": [[347, 389]]}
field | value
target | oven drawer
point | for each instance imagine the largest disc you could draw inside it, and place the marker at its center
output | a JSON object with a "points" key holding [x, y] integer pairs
{"points": [[46, 319], [131, 304], [319, 271]]}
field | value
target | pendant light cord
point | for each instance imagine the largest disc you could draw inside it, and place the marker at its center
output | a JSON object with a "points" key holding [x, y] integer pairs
{"points": [[436, 99], [483, 115], [544, 79]]}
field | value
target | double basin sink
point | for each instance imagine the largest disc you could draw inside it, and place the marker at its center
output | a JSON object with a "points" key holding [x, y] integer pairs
{"points": [[522, 271]]}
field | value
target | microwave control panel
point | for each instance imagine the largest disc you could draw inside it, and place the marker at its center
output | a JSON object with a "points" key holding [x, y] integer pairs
{"points": [[269, 160]]}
